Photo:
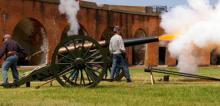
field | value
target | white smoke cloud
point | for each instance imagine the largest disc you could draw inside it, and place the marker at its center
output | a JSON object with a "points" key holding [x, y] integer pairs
{"points": [[198, 29], [70, 8]]}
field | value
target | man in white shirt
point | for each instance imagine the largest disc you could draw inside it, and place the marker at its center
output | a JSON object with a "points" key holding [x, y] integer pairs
{"points": [[117, 48]]}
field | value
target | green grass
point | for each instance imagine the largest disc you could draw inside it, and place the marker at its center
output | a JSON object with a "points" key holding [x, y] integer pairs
{"points": [[138, 93]]}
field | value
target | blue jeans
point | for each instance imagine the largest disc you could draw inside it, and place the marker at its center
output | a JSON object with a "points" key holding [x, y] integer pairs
{"points": [[117, 62], [10, 62]]}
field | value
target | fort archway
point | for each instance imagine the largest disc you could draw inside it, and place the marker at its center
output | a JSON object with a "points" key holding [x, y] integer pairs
{"points": [[139, 50], [31, 34]]}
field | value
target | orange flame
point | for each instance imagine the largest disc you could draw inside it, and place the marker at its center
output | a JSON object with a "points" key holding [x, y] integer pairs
{"points": [[167, 37]]}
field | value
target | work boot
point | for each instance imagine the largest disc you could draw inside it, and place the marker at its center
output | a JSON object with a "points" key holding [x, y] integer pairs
{"points": [[15, 85], [166, 78], [5, 86], [110, 80], [129, 80]]}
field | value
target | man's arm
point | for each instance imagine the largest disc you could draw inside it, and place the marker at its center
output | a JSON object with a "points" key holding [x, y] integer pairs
{"points": [[121, 45], [21, 51], [2, 50], [110, 47], [20, 48]]}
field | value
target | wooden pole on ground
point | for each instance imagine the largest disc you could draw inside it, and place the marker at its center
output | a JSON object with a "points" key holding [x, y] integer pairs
{"points": [[152, 78]]}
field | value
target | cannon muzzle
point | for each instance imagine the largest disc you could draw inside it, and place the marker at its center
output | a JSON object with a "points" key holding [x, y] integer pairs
{"points": [[139, 41], [149, 39]]}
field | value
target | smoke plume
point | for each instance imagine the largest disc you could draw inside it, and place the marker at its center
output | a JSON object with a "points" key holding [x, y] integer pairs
{"points": [[198, 28], [70, 8]]}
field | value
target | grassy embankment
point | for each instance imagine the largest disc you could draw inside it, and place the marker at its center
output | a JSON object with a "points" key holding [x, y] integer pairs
{"points": [[140, 92]]}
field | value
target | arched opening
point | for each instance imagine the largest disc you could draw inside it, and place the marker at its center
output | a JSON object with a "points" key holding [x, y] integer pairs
{"points": [[138, 51], [215, 57], [31, 35], [82, 32], [162, 55]]}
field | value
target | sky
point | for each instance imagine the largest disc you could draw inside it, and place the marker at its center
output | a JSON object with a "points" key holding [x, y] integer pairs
{"points": [[169, 3]]}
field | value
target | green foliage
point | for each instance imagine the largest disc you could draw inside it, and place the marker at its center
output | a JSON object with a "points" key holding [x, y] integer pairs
{"points": [[178, 91]]}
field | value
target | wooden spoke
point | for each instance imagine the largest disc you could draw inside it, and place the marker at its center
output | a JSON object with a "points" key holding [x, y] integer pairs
{"points": [[92, 55], [65, 56], [82, 78]]}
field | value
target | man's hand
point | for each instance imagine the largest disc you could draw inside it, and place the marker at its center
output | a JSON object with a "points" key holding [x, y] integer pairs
{"points": [[124, 55]]}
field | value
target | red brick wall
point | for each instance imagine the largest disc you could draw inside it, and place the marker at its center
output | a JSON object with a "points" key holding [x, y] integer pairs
{"points": [[93, 20]]}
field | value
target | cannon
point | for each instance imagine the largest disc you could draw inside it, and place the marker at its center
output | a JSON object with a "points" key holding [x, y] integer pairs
{"points": [[79, 61]]}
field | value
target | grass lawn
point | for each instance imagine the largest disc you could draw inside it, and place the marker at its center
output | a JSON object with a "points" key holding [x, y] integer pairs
{"points": [[140, 92]]}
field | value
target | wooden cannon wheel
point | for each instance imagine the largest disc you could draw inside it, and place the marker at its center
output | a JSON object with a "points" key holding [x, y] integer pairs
{"points": [[79, 61]]}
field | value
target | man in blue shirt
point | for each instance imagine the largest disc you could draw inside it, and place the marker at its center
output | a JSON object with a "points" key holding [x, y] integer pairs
{"points": [[12, 50]]}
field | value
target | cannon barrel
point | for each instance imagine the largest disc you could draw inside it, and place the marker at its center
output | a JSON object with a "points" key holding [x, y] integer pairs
{"points": [[135, 41], [127, 43], [139, 41]]}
